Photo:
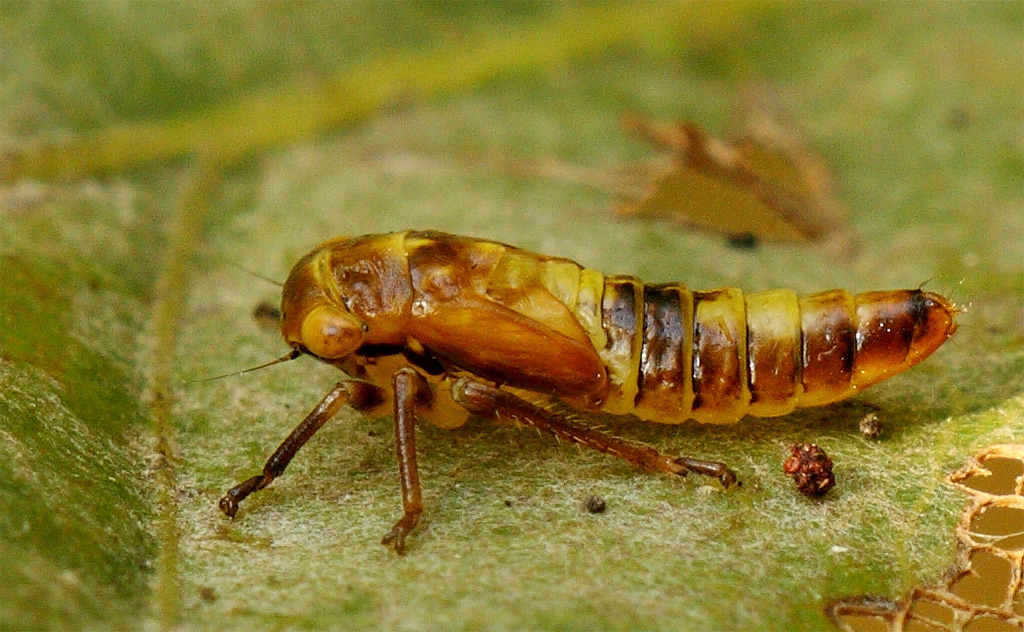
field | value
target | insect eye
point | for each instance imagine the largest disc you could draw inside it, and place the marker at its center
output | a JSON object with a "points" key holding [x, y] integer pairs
{"points": [[329, 333]]}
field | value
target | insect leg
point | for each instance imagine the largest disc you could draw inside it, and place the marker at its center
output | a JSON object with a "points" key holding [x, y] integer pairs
{"points": [[358, 394], [411, 390], [483, 399]]}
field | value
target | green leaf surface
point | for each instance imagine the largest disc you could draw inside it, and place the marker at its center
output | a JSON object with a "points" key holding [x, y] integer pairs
{"points": [[152, 149]]}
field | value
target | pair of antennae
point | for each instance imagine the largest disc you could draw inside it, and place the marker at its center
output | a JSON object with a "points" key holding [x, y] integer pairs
{"points": [[291, 355]]}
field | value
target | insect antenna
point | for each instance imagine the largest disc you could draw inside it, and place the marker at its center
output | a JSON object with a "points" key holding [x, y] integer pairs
{"points": [[291, 355], [256, 274]]}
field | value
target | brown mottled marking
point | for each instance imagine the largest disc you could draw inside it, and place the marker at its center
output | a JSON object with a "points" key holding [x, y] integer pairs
{"points": [[774, 352], [666, 356], [827, 323], [720, 389], [623, 327]]}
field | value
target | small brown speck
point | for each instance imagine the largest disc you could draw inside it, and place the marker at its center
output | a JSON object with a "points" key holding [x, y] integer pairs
{"points": [[810, 468], [594, 504], [207, 594], [266, 315], [959, 118], [870, 426], [743, 241]]}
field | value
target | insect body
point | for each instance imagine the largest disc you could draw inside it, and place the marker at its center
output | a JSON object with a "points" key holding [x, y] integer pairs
{"points": [[442, 325]]}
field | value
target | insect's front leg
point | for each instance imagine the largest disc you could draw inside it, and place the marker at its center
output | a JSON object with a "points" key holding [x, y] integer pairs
{"points": [[486, 400], [411, 391], [357, 394]]}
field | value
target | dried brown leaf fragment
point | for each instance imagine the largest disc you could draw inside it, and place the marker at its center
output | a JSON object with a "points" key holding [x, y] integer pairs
{"points": [[764, 183]]}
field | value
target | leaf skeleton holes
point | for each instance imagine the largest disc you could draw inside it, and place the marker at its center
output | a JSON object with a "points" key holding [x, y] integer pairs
{"points": [[984, 590]]}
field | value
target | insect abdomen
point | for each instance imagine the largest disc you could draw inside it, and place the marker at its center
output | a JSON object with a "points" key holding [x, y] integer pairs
{"points": [[668, 353], [674, 354]]}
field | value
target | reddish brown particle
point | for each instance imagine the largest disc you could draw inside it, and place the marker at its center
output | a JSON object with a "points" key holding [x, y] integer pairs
{"points": [[810, 468]]}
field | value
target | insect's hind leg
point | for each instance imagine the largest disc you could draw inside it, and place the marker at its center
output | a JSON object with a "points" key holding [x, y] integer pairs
{"points": [[483, 399], [358, 394]]}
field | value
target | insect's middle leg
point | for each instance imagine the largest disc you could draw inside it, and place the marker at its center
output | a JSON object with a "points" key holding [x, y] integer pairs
{"points": [[411, 392], [484, 399]]}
